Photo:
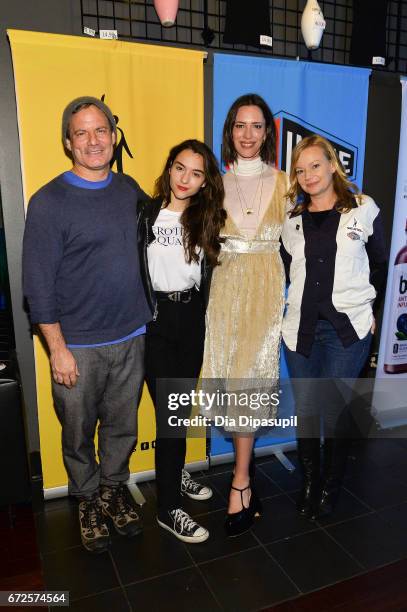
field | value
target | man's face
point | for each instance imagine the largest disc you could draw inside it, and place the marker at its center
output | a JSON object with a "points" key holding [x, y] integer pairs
{"points": [[91, 143]]}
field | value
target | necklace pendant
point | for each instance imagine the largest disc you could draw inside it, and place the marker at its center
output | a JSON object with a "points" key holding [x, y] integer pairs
{"points": [[249, 211]]}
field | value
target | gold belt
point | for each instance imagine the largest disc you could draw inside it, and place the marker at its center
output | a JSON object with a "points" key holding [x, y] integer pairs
{"points": [[244, 245]]}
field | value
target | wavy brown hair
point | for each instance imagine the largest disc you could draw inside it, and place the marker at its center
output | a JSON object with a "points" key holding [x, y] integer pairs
{"points": [[205, 216], [268, 149], [348, 194]]}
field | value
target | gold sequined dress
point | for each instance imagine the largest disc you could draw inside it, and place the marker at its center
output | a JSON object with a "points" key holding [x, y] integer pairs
{"points": [[244, 315]]}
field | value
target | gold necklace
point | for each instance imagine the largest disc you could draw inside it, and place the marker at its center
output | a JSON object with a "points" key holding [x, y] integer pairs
{"points": [[249, 210]]}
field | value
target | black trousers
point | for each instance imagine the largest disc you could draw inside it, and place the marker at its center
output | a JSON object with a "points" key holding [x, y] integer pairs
{"points": [[174, 351]]}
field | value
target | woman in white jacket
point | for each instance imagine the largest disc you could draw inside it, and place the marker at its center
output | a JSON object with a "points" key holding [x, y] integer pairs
{"points": [[333, 248]]}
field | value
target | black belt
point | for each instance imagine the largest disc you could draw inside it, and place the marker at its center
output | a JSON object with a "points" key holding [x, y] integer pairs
{"points": [[175, 296]]}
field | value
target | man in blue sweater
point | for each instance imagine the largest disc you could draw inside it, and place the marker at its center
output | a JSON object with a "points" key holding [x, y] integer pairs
{"points": [[81, 275]]}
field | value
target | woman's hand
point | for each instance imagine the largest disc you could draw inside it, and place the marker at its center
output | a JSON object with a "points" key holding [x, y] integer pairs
{"points": [[373, 328]]}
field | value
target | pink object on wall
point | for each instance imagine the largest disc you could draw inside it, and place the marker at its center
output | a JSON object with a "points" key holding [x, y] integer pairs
{"points": [[166, 11]]}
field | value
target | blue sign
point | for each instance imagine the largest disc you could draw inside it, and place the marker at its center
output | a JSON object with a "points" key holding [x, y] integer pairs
{"points": [[305, 97]]}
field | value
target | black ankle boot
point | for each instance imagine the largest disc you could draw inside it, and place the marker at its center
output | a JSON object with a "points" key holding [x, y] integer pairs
{"points": [[335, 454], [309, 458]]}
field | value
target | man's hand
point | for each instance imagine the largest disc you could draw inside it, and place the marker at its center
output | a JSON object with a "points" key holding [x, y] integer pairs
{"points": [[373, 328], [63, 364], [64, 368]]}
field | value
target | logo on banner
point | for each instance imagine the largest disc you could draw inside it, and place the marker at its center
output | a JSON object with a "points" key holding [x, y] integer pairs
{"points": [[121, 146], [292, 129]]}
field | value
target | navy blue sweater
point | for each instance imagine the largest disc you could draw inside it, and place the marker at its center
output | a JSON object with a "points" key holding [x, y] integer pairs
{"points": [[80, 260]]}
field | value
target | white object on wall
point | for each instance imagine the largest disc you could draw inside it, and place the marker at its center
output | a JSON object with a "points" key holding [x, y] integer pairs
{"points": [[312, 24], [166, 11]]}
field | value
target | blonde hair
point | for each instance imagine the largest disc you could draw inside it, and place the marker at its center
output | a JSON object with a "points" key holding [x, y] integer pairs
{"points": [[348, 194]]}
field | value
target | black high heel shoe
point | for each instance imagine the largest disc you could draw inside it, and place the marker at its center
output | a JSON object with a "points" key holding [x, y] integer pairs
{"points": [[239, 522]]}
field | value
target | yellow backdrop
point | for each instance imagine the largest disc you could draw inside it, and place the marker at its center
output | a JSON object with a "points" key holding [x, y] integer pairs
{"points": [[157, 95]]}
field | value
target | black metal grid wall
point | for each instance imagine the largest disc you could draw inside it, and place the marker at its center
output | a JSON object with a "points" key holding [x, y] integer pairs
{"points": [[137, 20]]}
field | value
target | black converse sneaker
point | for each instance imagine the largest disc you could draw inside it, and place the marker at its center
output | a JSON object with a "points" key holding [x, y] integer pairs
{"points": [[94, 532], [184, 527], [193, 489], [118, 505]]}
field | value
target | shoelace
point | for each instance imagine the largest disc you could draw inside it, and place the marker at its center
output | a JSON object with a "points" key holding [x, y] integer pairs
{"points": [[92, 515], [191, 484], [121, 504], [184, 520], [188, 482]]}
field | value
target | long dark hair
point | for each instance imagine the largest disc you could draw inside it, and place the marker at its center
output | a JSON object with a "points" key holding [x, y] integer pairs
{"points": [[203, 219], [348, 194], [268, 149]]}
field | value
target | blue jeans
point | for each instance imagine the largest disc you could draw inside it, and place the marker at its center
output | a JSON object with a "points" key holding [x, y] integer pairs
{"points": [[323, 382]]}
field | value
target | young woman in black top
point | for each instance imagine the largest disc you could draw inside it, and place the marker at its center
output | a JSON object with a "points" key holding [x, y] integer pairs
{"points": [[180, 244]]}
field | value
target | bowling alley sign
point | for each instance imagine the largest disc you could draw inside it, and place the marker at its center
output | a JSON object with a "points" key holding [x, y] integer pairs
{"points": [[292, 129]]}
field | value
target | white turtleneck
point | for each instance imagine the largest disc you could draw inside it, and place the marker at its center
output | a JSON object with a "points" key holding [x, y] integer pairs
{"points": [[248, 167], [254, 181]]}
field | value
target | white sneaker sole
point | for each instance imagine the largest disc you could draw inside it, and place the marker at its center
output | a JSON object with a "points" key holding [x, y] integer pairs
{"points": [[203, 497], [186, 539]]}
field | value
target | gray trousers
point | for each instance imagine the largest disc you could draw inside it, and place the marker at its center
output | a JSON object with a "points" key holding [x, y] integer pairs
{"points": [[107, 392]]}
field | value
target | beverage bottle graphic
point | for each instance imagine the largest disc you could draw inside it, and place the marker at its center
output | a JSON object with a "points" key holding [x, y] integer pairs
{"points": [[395, 361]]}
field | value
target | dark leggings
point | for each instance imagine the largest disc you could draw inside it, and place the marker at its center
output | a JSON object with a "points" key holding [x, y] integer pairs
{"points": [[174, 351]]}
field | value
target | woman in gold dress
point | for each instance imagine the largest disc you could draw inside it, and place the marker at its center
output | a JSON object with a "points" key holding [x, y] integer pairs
{"points": [[246, 302]]}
